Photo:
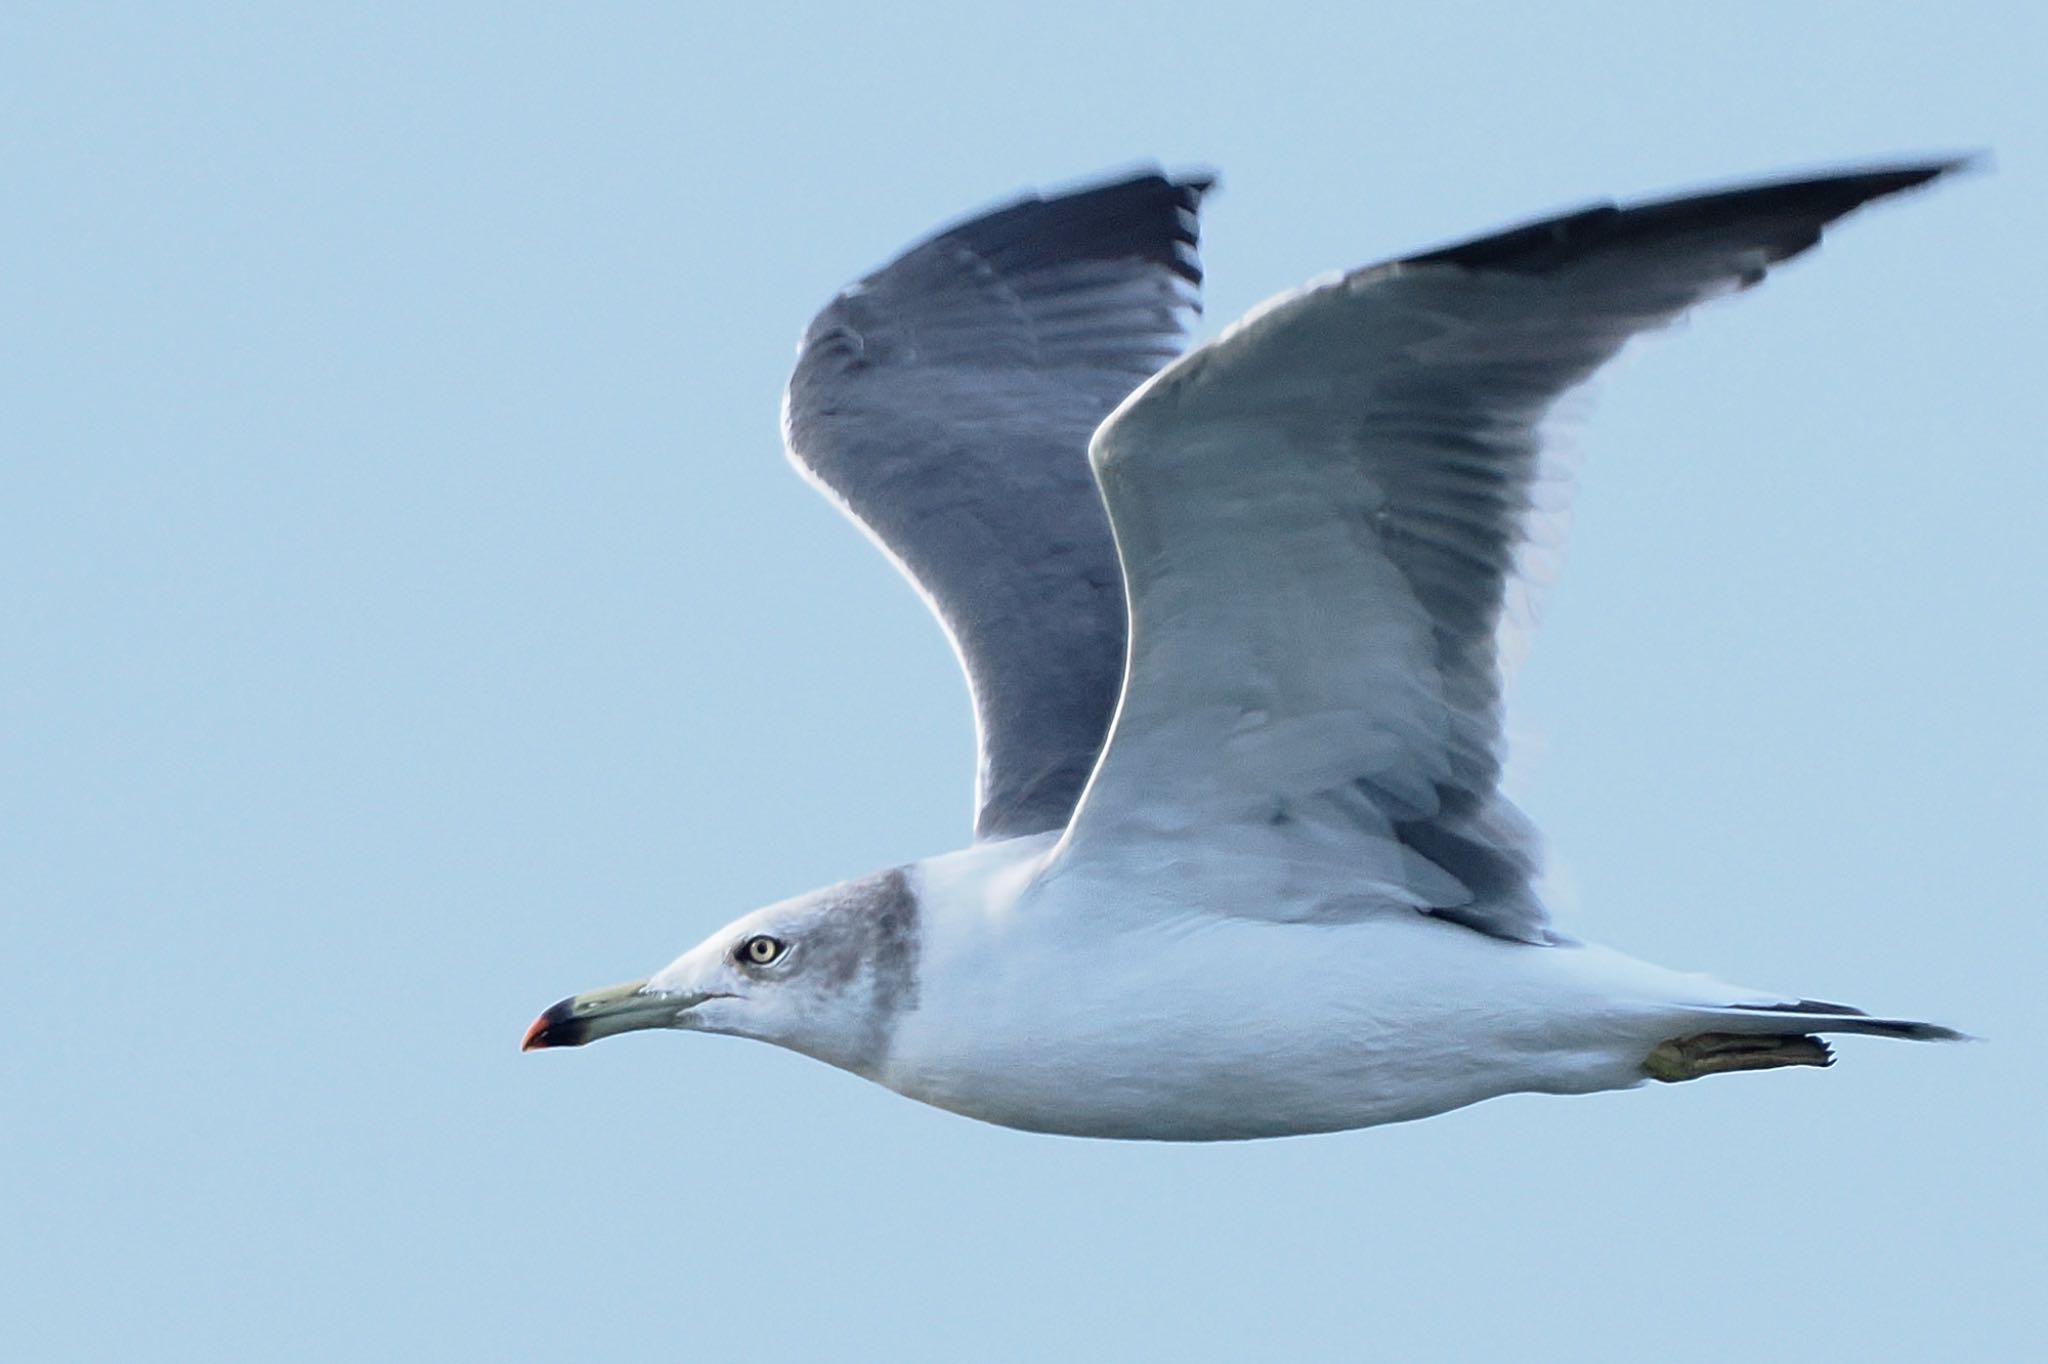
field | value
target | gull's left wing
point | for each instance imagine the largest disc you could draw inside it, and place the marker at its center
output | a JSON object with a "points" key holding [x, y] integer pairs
{"points": [[1318, 515]]}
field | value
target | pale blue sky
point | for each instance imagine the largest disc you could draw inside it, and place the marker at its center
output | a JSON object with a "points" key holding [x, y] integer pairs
{"points": [[410, 620]]}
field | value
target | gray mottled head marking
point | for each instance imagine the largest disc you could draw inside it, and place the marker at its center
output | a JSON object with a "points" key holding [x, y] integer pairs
{"points": [[866, 942]]}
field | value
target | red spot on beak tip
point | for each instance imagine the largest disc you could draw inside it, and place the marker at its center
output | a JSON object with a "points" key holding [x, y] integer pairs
{"points": [[536, 1035]]}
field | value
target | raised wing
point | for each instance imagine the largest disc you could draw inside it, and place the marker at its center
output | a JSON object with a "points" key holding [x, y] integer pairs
{"points": [[1318, 516], [946, 403]]}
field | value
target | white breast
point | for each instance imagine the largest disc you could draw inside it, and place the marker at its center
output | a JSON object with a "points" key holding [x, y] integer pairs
{"points": [[1044, 1005]]}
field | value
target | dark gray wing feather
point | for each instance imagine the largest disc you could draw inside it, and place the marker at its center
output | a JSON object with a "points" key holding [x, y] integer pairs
{"points": [[1320, 514], [946, 402]]}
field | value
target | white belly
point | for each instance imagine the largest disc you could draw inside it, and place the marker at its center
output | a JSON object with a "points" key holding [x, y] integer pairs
{"points": [[1199, 1026]]}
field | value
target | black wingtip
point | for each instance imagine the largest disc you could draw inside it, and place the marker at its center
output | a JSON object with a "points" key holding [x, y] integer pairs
{"points": [[1781, 217], [1976, 161], [1144, 214]]}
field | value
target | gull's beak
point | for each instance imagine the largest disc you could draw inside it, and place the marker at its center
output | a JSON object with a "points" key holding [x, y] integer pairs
{"points": [[600, 1013]]}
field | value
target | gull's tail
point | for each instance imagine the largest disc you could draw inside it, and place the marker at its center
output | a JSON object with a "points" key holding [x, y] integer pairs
{"points": [[1812, 1015], [1766, 1036]]}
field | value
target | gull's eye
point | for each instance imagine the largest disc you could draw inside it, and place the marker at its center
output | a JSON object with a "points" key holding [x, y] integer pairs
{"points": [[761, 949]]}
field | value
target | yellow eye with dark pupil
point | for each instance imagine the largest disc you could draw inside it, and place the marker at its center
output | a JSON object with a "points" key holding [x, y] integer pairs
{"points": [[761, 949]]}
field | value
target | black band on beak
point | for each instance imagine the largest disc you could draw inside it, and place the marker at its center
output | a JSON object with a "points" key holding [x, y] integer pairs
{"points": [[558, 1027]]}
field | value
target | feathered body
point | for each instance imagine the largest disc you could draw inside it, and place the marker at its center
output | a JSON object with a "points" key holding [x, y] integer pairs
{"points": [[1244, 867], [1059, 1005]]}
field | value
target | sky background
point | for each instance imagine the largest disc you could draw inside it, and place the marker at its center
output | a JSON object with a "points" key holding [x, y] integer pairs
{"points": [[409, 620]]}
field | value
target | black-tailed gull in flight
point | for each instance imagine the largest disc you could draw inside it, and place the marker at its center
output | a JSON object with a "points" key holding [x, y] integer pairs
{"points": [[1242, 866]]}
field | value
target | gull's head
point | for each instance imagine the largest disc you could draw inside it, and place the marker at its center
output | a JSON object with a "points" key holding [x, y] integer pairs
{"points": [[827, 974]]}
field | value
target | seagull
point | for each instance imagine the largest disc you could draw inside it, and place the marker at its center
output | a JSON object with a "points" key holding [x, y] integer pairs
{"points": [[1231, 620]]}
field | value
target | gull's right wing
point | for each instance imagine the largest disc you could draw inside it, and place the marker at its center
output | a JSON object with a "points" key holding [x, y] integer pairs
{"points": [[946, 401]]}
